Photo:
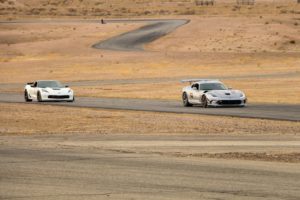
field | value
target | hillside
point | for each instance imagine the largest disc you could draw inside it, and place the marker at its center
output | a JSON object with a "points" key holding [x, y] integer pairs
{"points": [[143, 8]]}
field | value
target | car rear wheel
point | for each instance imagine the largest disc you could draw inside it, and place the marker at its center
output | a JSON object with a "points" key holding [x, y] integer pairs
{"points": [[185, 100], [39, 97], [26, 97], [204, 101]]}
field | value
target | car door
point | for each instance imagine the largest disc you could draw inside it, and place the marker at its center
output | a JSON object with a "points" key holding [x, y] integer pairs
{"points": [[195, 93], [198, 94], [33, 90]]}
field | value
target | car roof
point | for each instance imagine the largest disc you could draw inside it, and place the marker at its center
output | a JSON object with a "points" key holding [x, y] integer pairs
{"points": [[46, 80], [200, 81], [207, 81]]}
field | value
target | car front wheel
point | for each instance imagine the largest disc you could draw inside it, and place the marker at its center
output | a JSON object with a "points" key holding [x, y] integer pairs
{"points": [[204, 101], [26, 97], [39, 97], [185, 100], [72, 100]]}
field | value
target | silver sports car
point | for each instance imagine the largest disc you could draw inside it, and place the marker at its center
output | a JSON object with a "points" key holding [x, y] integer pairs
{"points": [[208, 92]]}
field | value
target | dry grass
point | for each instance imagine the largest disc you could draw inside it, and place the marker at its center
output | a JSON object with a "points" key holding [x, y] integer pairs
{"points": [[252, 34], [44, 119], [274, 90]]}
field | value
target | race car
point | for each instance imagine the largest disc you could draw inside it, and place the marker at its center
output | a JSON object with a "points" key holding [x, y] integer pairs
{"points": [[48, 90], [211, 93]]}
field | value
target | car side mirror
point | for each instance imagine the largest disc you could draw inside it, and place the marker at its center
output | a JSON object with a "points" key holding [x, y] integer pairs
{"points": [[66, 86]]}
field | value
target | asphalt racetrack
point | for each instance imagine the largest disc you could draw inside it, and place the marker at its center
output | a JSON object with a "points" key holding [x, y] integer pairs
{"points": [[262, 111], [125, 166], [134, 40]]}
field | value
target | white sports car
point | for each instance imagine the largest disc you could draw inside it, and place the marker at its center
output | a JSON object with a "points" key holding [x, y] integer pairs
{"points": [[207, 92], [48, 91]]}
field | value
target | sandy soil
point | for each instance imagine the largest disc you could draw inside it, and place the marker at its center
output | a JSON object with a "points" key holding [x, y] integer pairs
{"points": [[43, 119]]}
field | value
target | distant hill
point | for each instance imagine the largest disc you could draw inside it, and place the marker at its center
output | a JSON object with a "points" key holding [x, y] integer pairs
{"points": [[134, 8]]}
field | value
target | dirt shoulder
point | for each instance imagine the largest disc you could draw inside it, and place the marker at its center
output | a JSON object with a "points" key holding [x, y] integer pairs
{"points": [[46, 119], [293, 157]]}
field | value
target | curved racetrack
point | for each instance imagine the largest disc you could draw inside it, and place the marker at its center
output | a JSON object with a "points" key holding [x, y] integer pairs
{"points": [[262, 111], [135, 40]]}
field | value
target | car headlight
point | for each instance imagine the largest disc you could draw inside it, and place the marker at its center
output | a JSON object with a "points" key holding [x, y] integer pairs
{"points": [[44, 90], [242, 95], [213, 95], [69, 91]]}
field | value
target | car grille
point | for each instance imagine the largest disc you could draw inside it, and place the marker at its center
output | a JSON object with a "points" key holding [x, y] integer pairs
{"points": [[58, 96], [229, 102]]}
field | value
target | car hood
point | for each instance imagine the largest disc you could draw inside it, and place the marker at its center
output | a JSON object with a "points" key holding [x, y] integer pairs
{"points": [[57, 90], [226, 93]]}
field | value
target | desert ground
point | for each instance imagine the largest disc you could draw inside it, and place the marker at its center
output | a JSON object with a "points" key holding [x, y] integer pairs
{"points": [[88, 153], [18, 119]]}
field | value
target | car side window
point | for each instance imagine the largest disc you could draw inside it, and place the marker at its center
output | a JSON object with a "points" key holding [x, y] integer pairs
{"points": [[202, 87]]}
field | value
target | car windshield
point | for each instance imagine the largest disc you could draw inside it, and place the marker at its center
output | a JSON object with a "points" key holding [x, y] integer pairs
{"points": [[212, 86], [50, 84]]}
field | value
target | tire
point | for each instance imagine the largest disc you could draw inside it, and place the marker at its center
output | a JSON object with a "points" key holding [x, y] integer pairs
{"points": [[39, 97], [26, 97], [72, 100], [185, 100], [204, 101]]}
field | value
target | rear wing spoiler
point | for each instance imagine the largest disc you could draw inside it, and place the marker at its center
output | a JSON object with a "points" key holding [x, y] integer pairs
{"points": [[31, 83], [197, 80]]}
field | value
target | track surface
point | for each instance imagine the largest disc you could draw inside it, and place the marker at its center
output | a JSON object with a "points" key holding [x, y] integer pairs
{"points": [[135, 40], [125, 167], [264, 111], [157, 80]]}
